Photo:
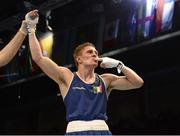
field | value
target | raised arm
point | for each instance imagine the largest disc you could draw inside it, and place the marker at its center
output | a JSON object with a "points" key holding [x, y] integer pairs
{"points": [[130, 80], [10, 50], [58, 73]]}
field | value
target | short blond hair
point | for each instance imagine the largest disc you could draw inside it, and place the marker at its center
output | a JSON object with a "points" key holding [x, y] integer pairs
{"points": [[78, 50]]}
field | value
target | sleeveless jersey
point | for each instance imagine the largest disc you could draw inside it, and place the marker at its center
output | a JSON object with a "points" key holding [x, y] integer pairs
{"points": [[86, 101]]}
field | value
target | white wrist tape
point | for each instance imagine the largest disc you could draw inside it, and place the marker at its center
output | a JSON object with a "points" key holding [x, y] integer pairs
{"points": [[109, 62], [31, 27], [32, 21]]}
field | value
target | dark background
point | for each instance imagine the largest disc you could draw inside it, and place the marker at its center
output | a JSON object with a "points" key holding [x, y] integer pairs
{"points": [[30, 102]]}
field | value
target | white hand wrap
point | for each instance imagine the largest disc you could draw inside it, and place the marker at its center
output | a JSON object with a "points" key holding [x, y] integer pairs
{"points": [[32, 21], [111, 63]]}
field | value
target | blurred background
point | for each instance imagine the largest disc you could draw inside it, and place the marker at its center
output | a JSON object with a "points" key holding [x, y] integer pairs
{"points": [[144, 34]]}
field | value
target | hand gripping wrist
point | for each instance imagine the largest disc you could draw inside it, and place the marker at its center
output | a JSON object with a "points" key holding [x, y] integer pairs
{"points": [[23, 28], [31, 27]]}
